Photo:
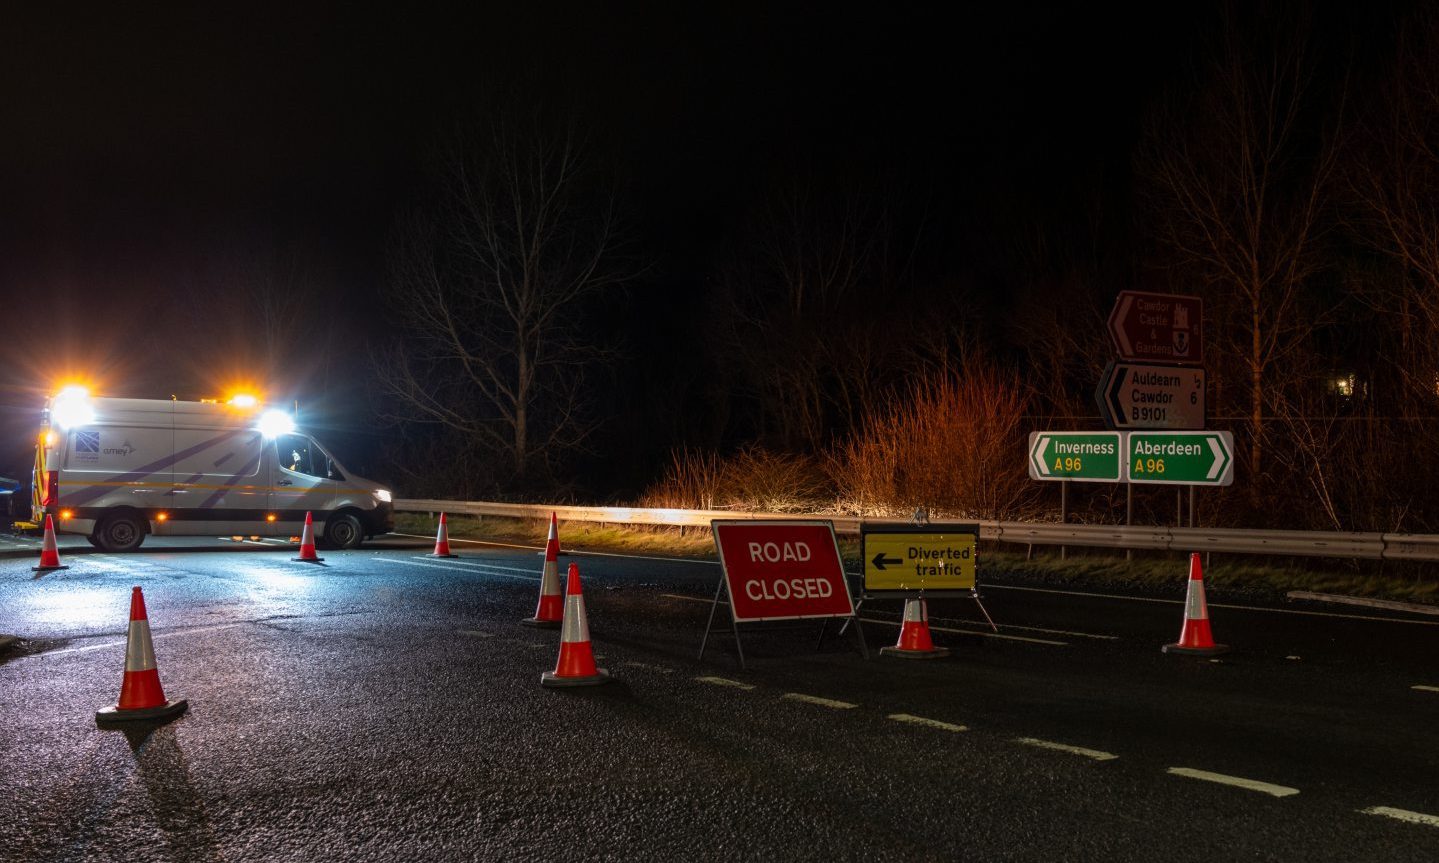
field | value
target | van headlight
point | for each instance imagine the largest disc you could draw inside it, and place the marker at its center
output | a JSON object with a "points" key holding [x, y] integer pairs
{"points": [[383, 495]]}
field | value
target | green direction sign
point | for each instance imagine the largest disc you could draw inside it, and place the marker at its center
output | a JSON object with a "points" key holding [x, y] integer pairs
{"points": [[1080, 456], [1180, 458]]}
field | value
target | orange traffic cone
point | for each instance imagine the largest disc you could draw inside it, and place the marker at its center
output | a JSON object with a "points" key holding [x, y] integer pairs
{"points": [[442, 541], [140, 694], [49, 552], [576, 666], [1195, 637], [551, 609], [914, 641], [307, 543]]}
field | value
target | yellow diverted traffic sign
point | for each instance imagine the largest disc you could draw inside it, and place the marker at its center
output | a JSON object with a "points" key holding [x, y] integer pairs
{"points": [[913, 559]]}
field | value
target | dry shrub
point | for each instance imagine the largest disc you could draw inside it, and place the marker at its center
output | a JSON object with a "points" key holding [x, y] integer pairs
{"points": [[759, 480], [693, 480], [954, 445], [753, 479]]}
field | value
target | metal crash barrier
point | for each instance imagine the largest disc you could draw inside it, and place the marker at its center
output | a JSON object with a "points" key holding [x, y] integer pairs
{"points": [[1283, 543]]}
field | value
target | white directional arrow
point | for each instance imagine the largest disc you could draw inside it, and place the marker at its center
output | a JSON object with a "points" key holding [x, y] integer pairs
{"points": [[1116, 325], [1040, 464], [1219, 459]]}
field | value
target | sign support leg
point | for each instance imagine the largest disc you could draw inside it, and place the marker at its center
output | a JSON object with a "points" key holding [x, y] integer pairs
{"points": [[857, 606], [1191, 506], [714, 606], [979, 603], [859, 635]]}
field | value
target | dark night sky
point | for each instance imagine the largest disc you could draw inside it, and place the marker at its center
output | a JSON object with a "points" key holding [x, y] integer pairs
{"points": [[150, 158]]}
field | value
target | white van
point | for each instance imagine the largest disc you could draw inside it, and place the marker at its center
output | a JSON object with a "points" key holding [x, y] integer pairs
{"points": [[116, 469]]}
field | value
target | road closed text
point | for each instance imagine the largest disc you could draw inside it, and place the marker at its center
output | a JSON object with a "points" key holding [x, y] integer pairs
{"points": [[794, 588], [779, 570]]}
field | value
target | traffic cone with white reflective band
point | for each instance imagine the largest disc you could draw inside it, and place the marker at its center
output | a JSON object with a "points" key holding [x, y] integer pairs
{"points": [[141, 696], [307, 543], [914, 641], [442, 541], [551, 610], [49, 552], [1195, 638], [576, 666]]}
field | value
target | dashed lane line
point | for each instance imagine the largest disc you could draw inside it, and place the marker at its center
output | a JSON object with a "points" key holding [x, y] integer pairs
{"points": [[1403, 815], [478, 564], [979, 632], [471, 570], [1095, 754], [645, 665], [815, 699], [1423, 688], [725, 681], [1236, 781], [938, 629], [156, 636], [1297, 611], [927, 723]]}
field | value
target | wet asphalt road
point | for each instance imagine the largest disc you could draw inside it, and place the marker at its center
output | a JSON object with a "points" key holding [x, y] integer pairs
{"points": [[388, 706]]}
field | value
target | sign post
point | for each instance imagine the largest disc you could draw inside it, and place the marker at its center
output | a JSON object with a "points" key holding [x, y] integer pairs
{"points": [[780, 570], [1180, 458]]}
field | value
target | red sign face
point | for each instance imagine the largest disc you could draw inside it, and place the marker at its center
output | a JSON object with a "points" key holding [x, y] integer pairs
{"points": [[779, 570], [1159, 328]]}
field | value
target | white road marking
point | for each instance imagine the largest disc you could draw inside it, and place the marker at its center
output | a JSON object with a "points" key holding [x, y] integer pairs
{"points": [[155, 635], [474, 633], [476, 563], [1403, 815], [1423, 688], [660, 668], [957, 620], [724, 681], [1096, 754], [896, 623], [927, 723], [1236, 781], [822, 702], [980, 632], [1214, 605], [455, 568]]}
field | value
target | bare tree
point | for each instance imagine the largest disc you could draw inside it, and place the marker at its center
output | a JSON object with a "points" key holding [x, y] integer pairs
{"points": [[804, 326], [488, 286], [1395, 178], [1238, 186]]}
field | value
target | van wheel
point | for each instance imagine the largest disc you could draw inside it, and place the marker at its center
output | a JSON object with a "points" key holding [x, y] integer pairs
{"points": [[343, 530], [120, 533]]}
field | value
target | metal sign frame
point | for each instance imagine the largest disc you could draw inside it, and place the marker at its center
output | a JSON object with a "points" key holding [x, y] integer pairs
{"points": [[722, 588], [922, 527]]}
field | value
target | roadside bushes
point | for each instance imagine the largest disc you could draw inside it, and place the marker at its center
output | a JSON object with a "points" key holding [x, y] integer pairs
{"points": [[953, 445], [752, 479]]}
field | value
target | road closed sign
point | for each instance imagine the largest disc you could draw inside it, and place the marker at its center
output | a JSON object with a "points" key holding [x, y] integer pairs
{"points": [[782, 570], [911, 559]]}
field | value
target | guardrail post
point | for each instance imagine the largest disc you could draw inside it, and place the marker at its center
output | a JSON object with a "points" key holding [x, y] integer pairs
{"points": [[1129, 514], [1064, 514]]}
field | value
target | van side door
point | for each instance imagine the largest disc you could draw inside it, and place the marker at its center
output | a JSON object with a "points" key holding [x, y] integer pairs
{"points": [[301, 484]]}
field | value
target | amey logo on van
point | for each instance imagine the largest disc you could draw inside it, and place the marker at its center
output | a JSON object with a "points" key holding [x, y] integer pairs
{"points": [[123, 449]]}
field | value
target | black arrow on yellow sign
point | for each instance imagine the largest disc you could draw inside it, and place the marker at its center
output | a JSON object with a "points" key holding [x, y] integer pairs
{"points": [[880, 561]]}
